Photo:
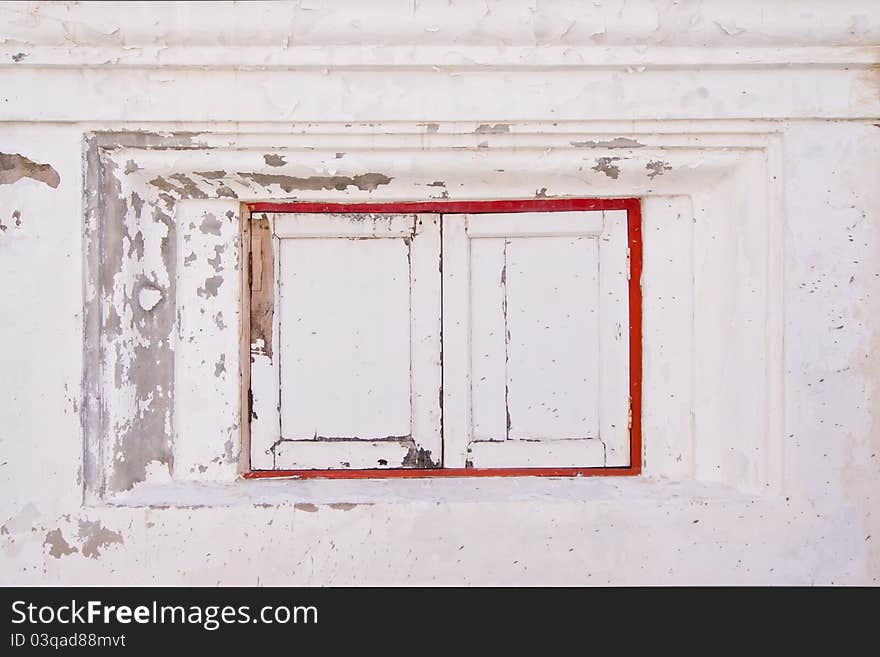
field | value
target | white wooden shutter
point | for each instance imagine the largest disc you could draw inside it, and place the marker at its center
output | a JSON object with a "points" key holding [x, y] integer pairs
{"points": [[354, 378], [535, 340]]}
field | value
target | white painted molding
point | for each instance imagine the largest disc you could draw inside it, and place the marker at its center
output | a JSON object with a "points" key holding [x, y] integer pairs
{"points": [[444, 23], [712, 233], [633, 59]]}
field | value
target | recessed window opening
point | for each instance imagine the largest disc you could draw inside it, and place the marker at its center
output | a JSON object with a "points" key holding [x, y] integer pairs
{"points": [[493, 338]]}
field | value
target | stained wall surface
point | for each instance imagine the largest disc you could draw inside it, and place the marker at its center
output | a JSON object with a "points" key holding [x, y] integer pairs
{"points": [[130, 136]]}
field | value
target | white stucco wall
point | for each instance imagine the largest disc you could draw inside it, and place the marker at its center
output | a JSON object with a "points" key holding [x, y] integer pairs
{"points": [[762, 379]]}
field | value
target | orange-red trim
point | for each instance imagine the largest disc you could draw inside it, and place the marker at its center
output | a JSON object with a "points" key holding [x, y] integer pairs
{"points": [[413, 473], [634, 228]]}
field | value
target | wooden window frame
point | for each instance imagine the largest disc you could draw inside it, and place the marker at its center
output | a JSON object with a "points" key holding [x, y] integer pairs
{"points": [[632, 206]]}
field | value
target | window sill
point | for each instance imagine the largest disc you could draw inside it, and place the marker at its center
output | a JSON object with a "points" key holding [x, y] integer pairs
{"points": [[446, 490]]}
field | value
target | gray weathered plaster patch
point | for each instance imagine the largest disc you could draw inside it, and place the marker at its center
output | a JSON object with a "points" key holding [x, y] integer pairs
{"points": [[274, 160], [606, 165], [416, 457], [183, 186], [210, 225], [211, 287], [211, 175], [136, 334], [226, 192], [366, 182], [137, 204], [14, 167], [189, 186], [95, 537], [490, 129], [617, 142], [57, 544], [657, 168], [220, 366], [217, 261]]}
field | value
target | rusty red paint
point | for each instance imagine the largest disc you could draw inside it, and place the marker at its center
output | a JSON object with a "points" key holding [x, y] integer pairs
{"points": [[440, 472], [634, 230], [450, 207]]}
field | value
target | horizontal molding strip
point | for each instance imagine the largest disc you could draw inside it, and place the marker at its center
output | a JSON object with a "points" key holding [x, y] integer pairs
{"points": [[438, 58]]}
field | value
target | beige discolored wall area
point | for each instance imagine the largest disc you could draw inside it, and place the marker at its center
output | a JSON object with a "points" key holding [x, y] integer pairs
{"points": [[130, 138]]}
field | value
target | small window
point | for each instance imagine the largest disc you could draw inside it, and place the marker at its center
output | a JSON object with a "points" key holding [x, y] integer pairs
{"points": [[476, 340]]}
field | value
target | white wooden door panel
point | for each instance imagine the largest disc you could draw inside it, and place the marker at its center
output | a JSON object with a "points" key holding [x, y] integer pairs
{"points": [[338, 226], [488, 336], [526, 454], [342, 454], [345, 338], [358, 357], [552, 343], [535, 224], [457, 344], [614, 331], [536, 370], [535, 342]]}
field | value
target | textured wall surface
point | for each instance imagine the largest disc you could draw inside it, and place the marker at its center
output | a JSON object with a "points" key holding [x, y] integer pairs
{"points": [[129, 136]]}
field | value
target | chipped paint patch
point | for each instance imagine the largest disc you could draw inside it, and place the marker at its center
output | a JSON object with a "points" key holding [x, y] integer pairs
{"points": [[416, 457], [617, 142], [274, 160], [492, 129], [211, 175], [366, 182], [657, 168], [217, 260], [211, 286], [57, 544], [95, 537], [305, 506], [14, 167], [342, 506], [210, 225], [606, 165]]}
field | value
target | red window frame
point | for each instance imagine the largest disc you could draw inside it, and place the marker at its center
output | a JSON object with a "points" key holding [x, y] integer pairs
{"points": [[634, 231]]}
